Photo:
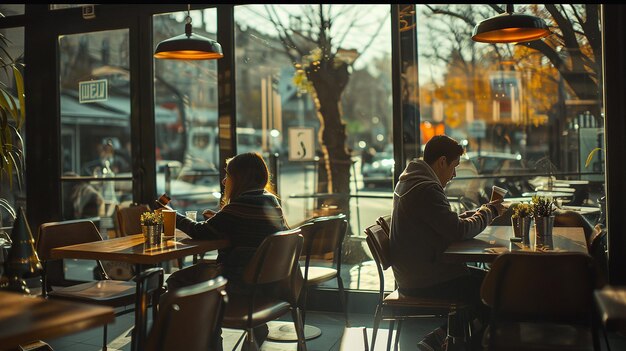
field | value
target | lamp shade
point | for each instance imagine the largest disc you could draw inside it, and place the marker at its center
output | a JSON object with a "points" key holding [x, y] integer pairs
{"points": [[189, 47], [510, 27]]}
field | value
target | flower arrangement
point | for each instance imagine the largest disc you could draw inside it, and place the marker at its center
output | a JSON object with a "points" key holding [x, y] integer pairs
{"points": [[522, 210], [151, 218], [542, 206]]}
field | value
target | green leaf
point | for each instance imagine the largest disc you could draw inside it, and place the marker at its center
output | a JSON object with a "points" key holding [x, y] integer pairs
{"points": [[590, 156], [19, 81]]}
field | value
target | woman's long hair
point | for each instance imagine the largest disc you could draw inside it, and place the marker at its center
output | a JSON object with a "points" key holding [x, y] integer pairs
{"points": [[247, 172]]}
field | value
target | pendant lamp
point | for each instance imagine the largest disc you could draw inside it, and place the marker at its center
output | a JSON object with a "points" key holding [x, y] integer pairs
{"points": [[510, 27], [188, 46]]}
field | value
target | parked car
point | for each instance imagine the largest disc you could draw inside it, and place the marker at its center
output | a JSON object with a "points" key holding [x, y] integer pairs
{"points": [[379, 172]]}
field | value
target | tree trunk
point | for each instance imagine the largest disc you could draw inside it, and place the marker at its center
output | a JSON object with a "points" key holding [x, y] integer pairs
{"points": [[329, 81]]}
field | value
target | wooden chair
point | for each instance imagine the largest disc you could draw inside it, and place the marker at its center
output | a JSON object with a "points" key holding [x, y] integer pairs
{"points": [[54, 285], [187, 317], [129, 218], [385, 223], [599, 251], [274, 262], [323, 242], [564, 218], [541, 301], [150, 286], [128, 221], [398, 307]]}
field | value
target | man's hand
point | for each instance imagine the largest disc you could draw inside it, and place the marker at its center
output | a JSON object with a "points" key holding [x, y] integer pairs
{"points": [[498, 206]]}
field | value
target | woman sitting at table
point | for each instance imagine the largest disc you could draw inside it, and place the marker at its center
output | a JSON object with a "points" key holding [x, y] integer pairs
{"points": [[249, 213]]}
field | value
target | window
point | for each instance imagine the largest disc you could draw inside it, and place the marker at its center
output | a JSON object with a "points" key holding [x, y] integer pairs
{"points": [[323, 107], [187, 150]]}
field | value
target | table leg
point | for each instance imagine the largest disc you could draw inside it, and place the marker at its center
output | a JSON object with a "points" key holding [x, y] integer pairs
{"points": [[139, 315]]}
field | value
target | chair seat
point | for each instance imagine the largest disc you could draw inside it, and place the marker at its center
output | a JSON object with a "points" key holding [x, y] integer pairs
{"points": [[103, 292], [318, 275], [265, 309], [542, 336], [395, 299]]}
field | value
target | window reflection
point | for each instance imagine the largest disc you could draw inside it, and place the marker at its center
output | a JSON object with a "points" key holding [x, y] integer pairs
{"points": [[528, 113], [186, 130]]}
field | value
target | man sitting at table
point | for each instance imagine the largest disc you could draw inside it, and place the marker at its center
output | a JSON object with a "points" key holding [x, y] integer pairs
{"points": [[423, 225]]}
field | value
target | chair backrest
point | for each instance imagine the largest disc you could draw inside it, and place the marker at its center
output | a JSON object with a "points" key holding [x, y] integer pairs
{"points": [[188, 317], [275, 259], [385, 223], [378, 242], [128, 218], [574, 219], [598, 250], [323, 237], [57, 234], [547, 287]]}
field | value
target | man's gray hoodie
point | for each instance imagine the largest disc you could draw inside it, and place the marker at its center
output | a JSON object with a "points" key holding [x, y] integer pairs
{"points": [[422, 227]]}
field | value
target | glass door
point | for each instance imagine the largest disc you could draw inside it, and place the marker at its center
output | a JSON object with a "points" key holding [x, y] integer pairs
{"points": [[95, 119]]}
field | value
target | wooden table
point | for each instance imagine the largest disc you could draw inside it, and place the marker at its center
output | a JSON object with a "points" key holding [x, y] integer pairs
{"points": [[132, 249], [494, 240], [545, 193], [611, 302], [26, 318]]}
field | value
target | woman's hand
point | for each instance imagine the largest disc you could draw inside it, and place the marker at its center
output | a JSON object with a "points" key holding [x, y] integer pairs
{"points": [[208, 213]]}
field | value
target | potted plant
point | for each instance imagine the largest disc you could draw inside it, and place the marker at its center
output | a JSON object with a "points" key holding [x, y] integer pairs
{"points": [[543, 214], [520, 220], [152, 227], [12, 116]]}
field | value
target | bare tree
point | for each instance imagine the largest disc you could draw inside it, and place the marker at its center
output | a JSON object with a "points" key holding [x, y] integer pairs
{"points": [[315, 39], [574, 48]]}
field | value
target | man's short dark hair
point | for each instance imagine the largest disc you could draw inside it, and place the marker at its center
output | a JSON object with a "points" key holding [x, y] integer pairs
{"points": [[442, 145]]}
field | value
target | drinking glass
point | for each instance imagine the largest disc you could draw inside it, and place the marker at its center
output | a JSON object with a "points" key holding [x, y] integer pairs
{"points": [[191, 215]]}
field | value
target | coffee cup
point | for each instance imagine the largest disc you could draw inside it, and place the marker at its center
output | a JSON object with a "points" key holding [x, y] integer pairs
{"points": [[169, 222], [497, 193]]}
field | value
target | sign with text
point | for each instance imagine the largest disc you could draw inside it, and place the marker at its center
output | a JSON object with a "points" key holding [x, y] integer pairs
{"points": [[301, 144], [93, 90]]}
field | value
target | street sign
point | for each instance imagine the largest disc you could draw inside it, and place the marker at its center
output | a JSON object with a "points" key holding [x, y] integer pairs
{"points": [[477, 129], [301, 144], [92, 91]]}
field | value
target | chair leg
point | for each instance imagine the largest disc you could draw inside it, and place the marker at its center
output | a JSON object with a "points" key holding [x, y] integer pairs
{"points": [[304, 296], [104, 338], [243, 335], [299, 325], [377, 318], [606, 339], [390, 336], [395, 347], [249, 343], [342, 299]]}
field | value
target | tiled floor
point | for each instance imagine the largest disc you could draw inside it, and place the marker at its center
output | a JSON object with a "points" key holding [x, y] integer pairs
{"points": [[331, 325]]}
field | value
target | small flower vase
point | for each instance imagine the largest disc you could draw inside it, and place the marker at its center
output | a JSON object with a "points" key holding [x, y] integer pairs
{"points": [[152, 234], [521, 228], [543, 230]]}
